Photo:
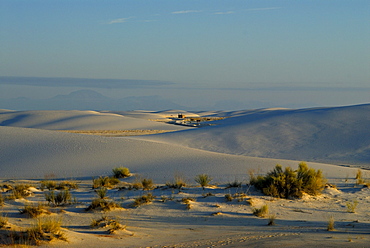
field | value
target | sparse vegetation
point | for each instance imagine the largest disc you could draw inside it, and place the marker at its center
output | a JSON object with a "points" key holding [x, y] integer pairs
{"points": [[45, 229], [351, 206], [107, 182], [61, 198], [64, 185], [20, 191], [34, 211], [331, 222], [121, 172], [105, 222], [101, 192], [3, 221], [147, 184], [203, 180], [235, 184], [272, 218], [178, 183], [1, 199], [289, 183], [48, 184], [261, 212], [102, 204], [229, 197], [143, 199], [359, 179]]}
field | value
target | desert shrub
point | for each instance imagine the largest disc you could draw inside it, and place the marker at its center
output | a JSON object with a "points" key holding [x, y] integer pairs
{"points": [[203, 180], [331, 222], [20, 191], [147, 183], [1, 199], [111, 224], [3, 221], [101, 192], [106, 181], [63, 197], [351, 206], [45, 229], [102, 204], [289, 183], [34, 211], [177, 183], [64, 185], [359, 179], [48, 184], [121, 172], [235, 184], [228, 197], [143, 199], [272, 218], [261, 212]]}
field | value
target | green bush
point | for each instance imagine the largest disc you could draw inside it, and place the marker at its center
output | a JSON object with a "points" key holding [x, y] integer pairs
{"points": [[290, 183], [121, 172]]}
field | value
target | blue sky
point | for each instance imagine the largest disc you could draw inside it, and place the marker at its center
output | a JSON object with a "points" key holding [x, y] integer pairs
{"points": [[208, 44]]}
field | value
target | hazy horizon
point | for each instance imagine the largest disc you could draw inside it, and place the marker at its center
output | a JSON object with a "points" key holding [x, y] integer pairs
{"points": [[228, 54]]}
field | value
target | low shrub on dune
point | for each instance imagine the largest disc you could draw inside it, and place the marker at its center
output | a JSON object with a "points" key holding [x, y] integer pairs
{"points": [[289, 183], [121, 172]]}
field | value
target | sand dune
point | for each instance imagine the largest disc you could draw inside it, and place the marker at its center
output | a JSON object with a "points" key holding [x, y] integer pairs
{"points": [[338, 135], [78, 120], [30, 150]]}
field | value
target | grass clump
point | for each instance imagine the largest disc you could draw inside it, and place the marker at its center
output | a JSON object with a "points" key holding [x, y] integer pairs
{"points": [[121, 172], [45, 229], [235, 184], [351, 206], [147, 184], [177, 183], [1, 199], [107, 182], [229, 197], [64, 185], [101, 192], [20, 191], [143, 199], [331, 222], [34, 211], [272, 218], [203, 180], [261, 212], [105, 222], [48, 184], [3, 221], [102, 204], [61, 198], [289, 183]]}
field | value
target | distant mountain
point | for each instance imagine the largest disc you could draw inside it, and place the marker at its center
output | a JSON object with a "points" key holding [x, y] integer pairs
{"points": [[89, 100]]}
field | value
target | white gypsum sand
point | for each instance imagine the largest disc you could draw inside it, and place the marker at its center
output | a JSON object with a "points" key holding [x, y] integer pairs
{"points": [[30, 151]]}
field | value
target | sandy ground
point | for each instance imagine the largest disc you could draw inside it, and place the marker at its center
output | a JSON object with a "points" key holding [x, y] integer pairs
{"points": [[31, 150]]}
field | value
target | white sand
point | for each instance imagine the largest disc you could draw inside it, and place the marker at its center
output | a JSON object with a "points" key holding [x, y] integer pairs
{"points": [[29, 149]]}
